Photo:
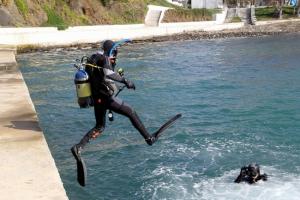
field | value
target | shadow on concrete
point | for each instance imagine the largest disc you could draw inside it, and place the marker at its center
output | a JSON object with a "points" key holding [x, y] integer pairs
{"points": [[25, 125]]}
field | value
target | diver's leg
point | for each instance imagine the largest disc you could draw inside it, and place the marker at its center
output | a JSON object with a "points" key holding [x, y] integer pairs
{"points": [[118, 106], [100, 115]]}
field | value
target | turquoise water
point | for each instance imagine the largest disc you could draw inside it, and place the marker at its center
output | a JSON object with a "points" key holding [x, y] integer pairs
{"points": [[240, 100]]}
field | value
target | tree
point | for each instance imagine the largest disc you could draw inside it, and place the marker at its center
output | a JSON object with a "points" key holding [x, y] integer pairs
{"points": [[279, 8], [298, 8]]}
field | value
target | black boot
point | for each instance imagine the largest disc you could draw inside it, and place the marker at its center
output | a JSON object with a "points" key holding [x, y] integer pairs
{"points": [[150, 140], [76, 151]]}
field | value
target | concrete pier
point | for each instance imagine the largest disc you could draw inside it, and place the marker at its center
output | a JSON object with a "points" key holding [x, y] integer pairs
{"points": [[48, 36], [27, 169], [7, 58]]}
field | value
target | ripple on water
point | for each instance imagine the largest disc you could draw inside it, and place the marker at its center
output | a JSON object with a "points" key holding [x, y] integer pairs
{"points": [[240, 104]]}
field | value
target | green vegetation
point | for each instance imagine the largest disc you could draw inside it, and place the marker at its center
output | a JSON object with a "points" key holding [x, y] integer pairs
{"points": [[271, 13], [54, 19], [236, 19], [128, 11], [124, 12], [71, 17], [105, 2], [22, 7], [63, 13], [288, 12], [182, 15], [161, 3]]}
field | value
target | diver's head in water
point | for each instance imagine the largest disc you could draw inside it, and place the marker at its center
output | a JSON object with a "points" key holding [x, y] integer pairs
{"points": [[253, 171], [108, 50]]}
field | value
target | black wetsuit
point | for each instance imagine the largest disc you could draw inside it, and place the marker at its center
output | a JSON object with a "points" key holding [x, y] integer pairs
{"points": [[101, 76], [249, 179], [246, 175]]}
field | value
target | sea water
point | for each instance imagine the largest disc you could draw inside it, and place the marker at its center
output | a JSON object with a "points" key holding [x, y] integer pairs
{"points": [[240, 101]]}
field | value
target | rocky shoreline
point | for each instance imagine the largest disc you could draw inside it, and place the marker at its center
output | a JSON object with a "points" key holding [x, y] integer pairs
{"points": [[247, 31]]}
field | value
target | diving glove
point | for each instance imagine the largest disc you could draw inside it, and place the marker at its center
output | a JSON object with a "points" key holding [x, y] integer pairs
{"points": [[129, 84]]}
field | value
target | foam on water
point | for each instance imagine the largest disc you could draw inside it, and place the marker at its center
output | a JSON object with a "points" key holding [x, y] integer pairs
{"points": [[240, 104], [280, 186], [186, 185]]}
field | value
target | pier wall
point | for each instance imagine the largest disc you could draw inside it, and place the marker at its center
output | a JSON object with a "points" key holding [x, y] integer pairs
{"points": [[28, 170]]}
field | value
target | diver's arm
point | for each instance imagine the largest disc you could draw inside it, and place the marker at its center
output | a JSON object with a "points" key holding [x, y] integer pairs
{"points": [[241, 175], [264, 177], [117, 77], [114, 76], [238, 179]]}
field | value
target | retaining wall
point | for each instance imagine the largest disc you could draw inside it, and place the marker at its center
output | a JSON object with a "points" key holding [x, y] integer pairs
{"points": [[47, 37]]}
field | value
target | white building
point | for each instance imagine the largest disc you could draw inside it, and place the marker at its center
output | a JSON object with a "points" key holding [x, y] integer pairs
{"points": [[207, 4], [178, 2]]}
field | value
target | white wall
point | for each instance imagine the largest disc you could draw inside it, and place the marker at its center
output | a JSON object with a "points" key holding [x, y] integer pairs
{"points": [[207, 4], [47, 37], [177, 2]]}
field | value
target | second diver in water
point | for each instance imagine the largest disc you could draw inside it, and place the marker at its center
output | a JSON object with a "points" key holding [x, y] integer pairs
{"points": [[250, 174]]}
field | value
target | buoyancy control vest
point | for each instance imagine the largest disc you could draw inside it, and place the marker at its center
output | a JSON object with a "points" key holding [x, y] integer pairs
{"points": [[98, 67], [91, 79]]}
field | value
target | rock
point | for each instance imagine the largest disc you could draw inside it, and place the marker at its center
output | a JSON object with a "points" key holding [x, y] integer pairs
{"points": [[75, 5], [5, 18]]}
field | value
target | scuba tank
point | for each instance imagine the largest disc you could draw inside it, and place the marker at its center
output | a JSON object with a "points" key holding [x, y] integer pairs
{"points": [[83, 87]]}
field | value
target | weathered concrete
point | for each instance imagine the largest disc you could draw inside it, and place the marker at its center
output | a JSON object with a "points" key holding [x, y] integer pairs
{"points": [[28, 171], [221, 17], [7, 58], [209, 4], [155, 15], [48, 37]]}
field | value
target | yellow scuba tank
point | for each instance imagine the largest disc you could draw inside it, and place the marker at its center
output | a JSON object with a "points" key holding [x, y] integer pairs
{"points": [[83, 89]]}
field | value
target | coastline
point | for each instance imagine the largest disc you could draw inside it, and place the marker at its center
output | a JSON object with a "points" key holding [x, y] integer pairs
{"points": [[259, 30], [263, 28], [35, 136]]}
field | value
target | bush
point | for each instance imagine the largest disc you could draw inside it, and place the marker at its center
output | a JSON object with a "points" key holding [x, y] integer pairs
{"points": [[272, 12], [236, 19], [105, 2], [54, 19], [186, 15], [22, 7]]}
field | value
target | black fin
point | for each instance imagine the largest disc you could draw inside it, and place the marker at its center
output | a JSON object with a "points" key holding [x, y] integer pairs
{"points": [[81, 172], [81, 168], [166, 125]]}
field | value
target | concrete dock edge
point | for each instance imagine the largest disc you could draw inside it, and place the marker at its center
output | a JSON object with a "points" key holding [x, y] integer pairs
{"points": [[28, 170]]}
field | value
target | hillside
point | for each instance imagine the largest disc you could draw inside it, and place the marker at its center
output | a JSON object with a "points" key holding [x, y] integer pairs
{"points": [[64, 13], [73, 12]]}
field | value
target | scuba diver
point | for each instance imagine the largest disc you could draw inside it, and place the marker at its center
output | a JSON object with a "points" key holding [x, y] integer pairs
{"points": [[100, 73], [250, 174]]}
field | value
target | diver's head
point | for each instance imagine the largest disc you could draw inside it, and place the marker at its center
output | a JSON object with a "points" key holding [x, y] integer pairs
{"points": [[107, 46], [253, 170]]}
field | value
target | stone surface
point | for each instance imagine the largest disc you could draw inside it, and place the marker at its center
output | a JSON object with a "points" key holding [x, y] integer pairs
{"points": [[5, 18], [7, 58], [153, 18], [28, 171]]}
